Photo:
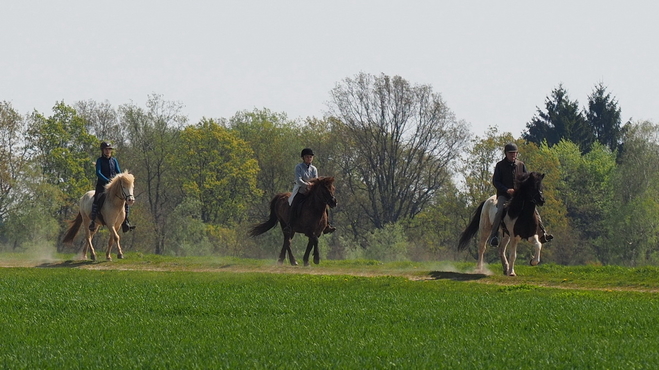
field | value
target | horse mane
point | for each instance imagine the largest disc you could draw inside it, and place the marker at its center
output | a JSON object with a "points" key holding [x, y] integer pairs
{"points": [[327, 181], [529, 185], [116, 181], [523, 181]]}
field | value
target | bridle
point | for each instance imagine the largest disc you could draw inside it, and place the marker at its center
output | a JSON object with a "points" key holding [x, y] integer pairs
{"points": [[125, 196]]}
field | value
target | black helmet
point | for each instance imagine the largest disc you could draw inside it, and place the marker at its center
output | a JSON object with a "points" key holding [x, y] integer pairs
{"points": [[510, 147], [106, 145], [306, 151]]}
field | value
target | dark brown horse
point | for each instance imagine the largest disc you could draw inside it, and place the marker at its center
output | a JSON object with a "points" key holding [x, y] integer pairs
{"points": [[311, 220]]}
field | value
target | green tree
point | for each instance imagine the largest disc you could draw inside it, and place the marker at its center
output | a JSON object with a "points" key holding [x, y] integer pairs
{"points": [[561, 120], [433, 233], [585, 189], [62, 149], [276, 144], [603, 116], [631, 235], [403, 139], [102, 121], [154, 140], [478, 167], [13, 152], [218, 170], [586, 185]]}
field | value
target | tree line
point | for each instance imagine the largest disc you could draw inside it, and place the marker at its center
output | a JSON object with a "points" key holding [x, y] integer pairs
{"points": [[408, 174]]}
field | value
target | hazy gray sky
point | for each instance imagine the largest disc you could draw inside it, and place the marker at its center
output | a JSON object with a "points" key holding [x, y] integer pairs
{"points": [[493, 62]]}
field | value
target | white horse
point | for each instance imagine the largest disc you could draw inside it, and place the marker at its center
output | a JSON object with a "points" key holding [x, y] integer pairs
{"points": [[118, 192], [520, 217]]}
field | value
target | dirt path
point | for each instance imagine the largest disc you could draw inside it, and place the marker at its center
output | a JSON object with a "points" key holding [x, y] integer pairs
{"points": [[365, 271]]}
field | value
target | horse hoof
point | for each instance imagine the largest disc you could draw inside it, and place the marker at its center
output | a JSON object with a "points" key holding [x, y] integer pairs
{"points": [[280, 262], [120, 256], [534, 263], [306, 263], [108, 258], [316, 260], [293, 263]]}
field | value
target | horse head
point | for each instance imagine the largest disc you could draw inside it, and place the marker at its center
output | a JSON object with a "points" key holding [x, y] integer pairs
{"points": [[531, 188], [323, 187], [122, 186]]}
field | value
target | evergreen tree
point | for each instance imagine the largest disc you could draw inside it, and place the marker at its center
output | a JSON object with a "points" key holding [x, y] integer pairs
{"points": [[562, 120], [603, 116]]}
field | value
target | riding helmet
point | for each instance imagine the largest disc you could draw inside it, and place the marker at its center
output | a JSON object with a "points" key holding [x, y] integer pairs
{"points": [[306, 151], [510, 147], [106, 145]]}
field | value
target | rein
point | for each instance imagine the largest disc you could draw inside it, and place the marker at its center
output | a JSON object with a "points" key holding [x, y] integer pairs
{"points": [[124, 196]]}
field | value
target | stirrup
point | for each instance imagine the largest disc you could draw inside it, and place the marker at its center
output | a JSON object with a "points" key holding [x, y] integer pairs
{"points": [[126, 227], [546, 238], [92, 226], [494, 241], [329, 229]]}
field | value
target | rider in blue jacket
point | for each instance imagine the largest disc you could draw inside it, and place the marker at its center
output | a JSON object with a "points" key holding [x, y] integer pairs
{"points": [[107, 167]]}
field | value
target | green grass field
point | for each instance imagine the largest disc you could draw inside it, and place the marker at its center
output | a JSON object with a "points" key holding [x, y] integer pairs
{"points": [[152, 312]]}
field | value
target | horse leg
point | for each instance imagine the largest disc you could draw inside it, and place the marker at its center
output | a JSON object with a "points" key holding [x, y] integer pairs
{"points": [[291, 258], [308, 250], [502, 253], [120, 252], [114, 237], [512, 256], [482, 246], [282, 253], [89, 246], [537, 247], [286, 247], [316, 252]]}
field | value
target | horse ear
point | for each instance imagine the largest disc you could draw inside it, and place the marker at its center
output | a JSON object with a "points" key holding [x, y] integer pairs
{"points": [[542, 176]]}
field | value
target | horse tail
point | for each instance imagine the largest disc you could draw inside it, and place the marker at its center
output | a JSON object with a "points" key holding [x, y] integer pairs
{"points": [[73, 229], [270, 223], [471, 229]]}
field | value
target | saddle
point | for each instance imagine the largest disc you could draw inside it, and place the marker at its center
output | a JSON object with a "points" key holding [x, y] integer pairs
{"points": [[298, 203]]}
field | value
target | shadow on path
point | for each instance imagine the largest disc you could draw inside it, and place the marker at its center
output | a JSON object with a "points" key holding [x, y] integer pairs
{"points": [[67, 264], [457, 276]]}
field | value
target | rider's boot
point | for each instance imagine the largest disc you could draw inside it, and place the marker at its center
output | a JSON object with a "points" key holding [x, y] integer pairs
{"points": [[126, 226], [329, 228], [494, 236], [544, 238], [92, 216]]}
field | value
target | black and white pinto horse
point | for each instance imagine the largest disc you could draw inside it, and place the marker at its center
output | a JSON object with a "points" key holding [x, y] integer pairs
{"points": [[520, 217]]}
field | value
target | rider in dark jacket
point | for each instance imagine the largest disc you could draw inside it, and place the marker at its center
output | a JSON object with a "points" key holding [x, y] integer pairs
{"points": [[506, 174], [107, 167]]}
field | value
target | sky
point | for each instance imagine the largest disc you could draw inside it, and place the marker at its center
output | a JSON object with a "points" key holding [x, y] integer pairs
{"points": [[493, 62]]}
